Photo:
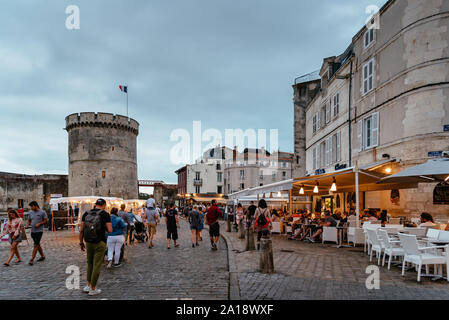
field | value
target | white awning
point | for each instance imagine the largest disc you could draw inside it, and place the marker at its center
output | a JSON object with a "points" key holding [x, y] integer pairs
{"points": [[85, 199], [433, 170], [273, 187]]}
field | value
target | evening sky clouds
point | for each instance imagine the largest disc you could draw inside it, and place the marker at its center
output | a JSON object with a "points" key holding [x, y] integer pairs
{"points": [[229, 64]]}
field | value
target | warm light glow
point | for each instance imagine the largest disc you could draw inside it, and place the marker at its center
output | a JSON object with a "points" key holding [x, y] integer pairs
{"points": [[279, 194], [388, 170], [301, 191], [315, 190], [334, 185], [447, 178]]}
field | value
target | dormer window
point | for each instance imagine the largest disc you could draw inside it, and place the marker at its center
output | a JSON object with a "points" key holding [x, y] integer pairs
{"points": [[369, 37]]}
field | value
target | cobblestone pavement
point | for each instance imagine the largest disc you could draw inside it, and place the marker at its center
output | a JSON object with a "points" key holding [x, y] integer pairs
{"points": [[157, 273], [317, 271]]}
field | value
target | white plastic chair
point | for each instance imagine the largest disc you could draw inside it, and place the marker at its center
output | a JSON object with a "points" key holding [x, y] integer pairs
{"points": [[330, 234], [376, 245], [356, 235], [443, 236], [432, 233], [395, 221], [391, 247], [422, 256], [419, 232], [276, 227]]}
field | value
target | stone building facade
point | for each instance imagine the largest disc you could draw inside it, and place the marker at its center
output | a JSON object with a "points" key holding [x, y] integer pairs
{"points": [[393, 101], [256, 167], [17, 190], [102, 155]]}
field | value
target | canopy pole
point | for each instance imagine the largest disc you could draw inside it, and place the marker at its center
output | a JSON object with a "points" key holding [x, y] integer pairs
{"points": [[357, 205], [53, 222], [290, 209]]}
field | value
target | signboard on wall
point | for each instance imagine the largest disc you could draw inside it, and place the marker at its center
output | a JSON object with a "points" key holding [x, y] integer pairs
{"points": [[435, 153]]}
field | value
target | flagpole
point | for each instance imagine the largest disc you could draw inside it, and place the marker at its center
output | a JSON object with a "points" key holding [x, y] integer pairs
{"points": [[127, 101]]}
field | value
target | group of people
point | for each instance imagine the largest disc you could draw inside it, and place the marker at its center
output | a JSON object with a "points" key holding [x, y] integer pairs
{"points": [[15, 229], [100, 230]]}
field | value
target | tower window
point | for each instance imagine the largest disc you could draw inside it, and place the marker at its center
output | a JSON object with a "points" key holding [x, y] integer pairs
{"points": [[103, 174]]}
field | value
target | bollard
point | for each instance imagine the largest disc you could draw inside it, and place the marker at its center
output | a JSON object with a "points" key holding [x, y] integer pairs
{"points": [[266, 264], [241, 230], [249, 240], [228, 225]]}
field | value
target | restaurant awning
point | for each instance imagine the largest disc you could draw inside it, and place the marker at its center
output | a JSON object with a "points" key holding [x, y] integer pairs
{"points": [[272, 187], [434, 170], [345, 180]]}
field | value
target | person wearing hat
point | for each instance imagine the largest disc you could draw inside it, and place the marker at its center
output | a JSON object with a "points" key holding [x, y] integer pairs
{"points": [[152, 219], [94, 225]]}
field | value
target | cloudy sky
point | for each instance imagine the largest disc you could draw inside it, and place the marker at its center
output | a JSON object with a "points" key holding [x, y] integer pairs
{"points": [[229, 64]]}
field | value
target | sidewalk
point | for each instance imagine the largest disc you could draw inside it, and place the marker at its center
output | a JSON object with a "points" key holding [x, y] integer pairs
{"points": [[317, 271]]}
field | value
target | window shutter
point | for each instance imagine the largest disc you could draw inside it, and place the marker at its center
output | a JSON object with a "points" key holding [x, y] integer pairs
{"points": [[318, 120], [329, 161], [338, 147], [328, 112], [360, 134], [314, 158], [318, 156], [375, 129]]}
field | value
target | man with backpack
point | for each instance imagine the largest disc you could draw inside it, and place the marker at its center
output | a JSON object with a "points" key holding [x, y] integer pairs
{"points": [[212, 220], [94, 225]]}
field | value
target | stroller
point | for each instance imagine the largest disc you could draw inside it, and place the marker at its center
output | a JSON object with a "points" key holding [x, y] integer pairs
{"points": [[140, 232]]}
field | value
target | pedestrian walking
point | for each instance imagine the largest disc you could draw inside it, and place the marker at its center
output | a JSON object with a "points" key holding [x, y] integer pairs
{"points": [[262, 221], [212, 220], [116, 238], [131, 221], [124, 215], [94, 225], [201, 223], [250, 213], [13, 227], [194, 221], [152, 219], [172, 223], [36, 218]]}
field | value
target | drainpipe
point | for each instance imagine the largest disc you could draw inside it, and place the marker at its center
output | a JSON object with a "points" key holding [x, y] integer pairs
{"points": [[349, 113]]}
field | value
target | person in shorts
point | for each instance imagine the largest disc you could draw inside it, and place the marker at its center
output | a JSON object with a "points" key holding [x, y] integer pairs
{"points": [[212, 220], [172, 222], [152, 219], [13, 227], [36, 218]]}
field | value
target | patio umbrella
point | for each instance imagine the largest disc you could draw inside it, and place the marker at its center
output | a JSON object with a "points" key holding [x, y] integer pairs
{"points": [[434, 170]]}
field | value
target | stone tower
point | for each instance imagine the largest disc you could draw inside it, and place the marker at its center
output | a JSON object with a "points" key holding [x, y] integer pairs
{"points": [[304, 89], [102, 155]]}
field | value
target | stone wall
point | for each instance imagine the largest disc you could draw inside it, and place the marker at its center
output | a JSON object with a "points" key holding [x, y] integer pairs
{"points": [[15, 187]]}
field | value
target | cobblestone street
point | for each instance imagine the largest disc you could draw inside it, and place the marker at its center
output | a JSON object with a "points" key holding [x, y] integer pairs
{"points": [[302, 271], [157, 273], [317, 271]]}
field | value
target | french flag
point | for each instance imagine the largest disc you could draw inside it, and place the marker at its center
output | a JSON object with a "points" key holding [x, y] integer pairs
{"points": [[123, 88]]}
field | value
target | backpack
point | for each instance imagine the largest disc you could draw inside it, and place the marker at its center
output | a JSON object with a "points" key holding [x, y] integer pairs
{"points": [[92, 226], [262, 220]]}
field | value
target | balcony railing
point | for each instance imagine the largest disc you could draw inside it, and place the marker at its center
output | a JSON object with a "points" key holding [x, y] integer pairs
{"points": [[198, 182]]}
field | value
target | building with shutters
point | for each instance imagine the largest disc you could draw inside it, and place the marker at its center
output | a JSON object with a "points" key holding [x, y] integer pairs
{"points": [[384, 100]]}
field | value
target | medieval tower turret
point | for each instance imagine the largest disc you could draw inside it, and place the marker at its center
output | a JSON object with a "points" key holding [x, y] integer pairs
{"points": [[102, 155]]}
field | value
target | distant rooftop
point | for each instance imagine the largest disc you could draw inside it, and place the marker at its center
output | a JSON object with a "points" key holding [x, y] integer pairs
{"points": [[315, 75]]}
